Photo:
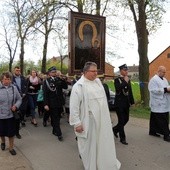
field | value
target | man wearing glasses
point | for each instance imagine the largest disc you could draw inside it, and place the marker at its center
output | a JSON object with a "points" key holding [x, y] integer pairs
{"points": [[90, 116]]}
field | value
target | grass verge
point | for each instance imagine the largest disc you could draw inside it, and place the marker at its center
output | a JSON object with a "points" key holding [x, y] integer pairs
{"points": [[140, 111]]}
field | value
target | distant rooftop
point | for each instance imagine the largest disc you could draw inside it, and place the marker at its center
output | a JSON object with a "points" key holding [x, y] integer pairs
{"points": [[133, 68]]}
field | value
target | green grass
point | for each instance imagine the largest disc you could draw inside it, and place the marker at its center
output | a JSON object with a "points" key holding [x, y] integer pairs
{"points": [[110, 83], [137, 110]]}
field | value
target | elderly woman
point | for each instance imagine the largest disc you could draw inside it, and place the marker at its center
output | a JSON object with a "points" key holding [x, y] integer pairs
{"points": [[10, 100]]}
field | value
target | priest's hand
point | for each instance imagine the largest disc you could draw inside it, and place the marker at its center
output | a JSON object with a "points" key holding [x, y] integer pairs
{"points": [[79, 129]]}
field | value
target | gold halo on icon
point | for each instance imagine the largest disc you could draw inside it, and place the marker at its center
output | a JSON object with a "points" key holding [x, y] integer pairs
{"points": [[94, 38]]}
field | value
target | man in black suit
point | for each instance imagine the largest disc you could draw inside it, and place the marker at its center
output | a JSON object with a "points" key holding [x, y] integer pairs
{"points": [[123, 100], [20, 82], [54, 100]]}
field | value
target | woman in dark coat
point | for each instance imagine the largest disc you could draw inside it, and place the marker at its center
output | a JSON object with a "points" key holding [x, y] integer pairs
{"points": [[33, 86]]}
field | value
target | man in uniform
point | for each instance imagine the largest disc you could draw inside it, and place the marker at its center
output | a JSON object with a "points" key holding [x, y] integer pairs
{"points": [[123, 100], [53, 99]]}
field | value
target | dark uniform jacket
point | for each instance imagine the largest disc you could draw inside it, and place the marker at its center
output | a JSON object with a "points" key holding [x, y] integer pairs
{"points": [[124, 94], [53, 92]]}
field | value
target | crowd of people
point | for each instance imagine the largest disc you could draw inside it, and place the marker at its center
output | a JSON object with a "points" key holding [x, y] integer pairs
{"points": [[20, 97], [84, 100]]}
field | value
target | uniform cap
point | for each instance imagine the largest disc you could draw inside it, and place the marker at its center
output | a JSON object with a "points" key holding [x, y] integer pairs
{"points": [[123, 67], [53, 68]]}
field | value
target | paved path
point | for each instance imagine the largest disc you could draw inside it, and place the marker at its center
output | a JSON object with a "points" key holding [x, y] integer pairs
{"points": [[40, 150]]}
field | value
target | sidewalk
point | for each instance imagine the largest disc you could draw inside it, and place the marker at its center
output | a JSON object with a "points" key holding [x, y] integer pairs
{"points": [[143, 151], [17, 162]]}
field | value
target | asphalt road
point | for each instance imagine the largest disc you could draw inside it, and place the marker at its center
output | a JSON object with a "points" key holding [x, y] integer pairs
{"points": [[40, 150]]}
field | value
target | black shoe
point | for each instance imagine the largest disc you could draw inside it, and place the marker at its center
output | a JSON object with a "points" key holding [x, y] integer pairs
{"points": [[115, 133], [60, 138], [80, 156], [154, 134], [23, 124], [167, 138], [18, 136], [2, 146], [44, 123], [13, 152], [55, 134], [35, 124], [124, 142]]}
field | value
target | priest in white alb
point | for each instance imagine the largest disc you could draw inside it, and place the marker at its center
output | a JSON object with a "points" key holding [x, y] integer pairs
{"points": [[159, 90], [90, 116]]}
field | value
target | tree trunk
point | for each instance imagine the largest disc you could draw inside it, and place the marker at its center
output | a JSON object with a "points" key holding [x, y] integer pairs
{"points": [[61, 67], [80, 6], [44, 59], [142, 36], [97, 7], [10, 65], [143, 69], [22, 56]]}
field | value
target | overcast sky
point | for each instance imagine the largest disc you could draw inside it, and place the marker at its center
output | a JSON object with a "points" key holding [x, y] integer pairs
{"points": [[157, 43]]}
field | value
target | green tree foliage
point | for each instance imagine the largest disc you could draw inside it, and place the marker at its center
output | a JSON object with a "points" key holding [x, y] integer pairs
{"points": [[143, 12], [4, 67], [57, 63], [147, 14]]}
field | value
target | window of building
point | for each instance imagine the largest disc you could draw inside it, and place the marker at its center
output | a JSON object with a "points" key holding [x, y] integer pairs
{"points": [[168, 55]]}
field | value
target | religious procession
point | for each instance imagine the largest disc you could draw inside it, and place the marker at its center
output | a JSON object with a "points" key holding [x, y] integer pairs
{"points": [[77, 120], [84, 101]]}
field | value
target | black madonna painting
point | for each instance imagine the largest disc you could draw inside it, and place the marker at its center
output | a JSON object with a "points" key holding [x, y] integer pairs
{"points": [[86, 41]]}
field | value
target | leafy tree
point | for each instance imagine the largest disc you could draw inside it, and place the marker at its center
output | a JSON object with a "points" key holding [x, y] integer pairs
{"points": [[25, 13], [10, 41], [147, 15], [96, 7], [20, 14], [45, 25], [4, 66], [55, 62], [60, 42]]}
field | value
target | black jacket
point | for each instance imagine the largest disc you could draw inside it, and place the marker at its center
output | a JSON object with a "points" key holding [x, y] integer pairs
{"points": [[23, 84], [124, 96], [53, 92]]}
